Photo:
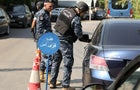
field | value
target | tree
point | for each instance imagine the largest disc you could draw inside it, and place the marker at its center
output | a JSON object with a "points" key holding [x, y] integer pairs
{"points": [[6, 3]]}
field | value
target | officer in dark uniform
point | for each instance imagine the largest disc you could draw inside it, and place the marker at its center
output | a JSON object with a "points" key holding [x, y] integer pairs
{"points": [[68, 28], [43, 25], [39, 5]]}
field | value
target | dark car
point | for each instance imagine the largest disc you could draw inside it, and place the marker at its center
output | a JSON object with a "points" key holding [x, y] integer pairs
{"points": [[88, 16], [55, 13], [4, 22], [117, 41], [128, 78], [20, 15], [100, 14]]}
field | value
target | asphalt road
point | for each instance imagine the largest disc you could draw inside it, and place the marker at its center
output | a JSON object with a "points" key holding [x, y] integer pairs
{"points": [[17, 54]]}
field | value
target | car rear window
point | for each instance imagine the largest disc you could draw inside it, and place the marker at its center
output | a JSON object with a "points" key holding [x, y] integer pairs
{"points": [[123, 34], [119, 4]]}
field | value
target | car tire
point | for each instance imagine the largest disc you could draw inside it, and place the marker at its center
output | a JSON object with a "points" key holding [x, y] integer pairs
{"points": [[87, 18], [30, 23], [25, 25], [7, 31]]}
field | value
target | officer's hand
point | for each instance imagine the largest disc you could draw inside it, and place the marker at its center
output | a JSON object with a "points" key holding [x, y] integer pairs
{"points": [[32, 30], [85, 38], [33, 33]]}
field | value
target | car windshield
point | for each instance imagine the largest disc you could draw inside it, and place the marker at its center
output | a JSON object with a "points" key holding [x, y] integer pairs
{"points": [[100, 11], [18, 8], [123, 34]]}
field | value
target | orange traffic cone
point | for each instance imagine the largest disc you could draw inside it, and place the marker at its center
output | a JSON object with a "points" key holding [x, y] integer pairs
{"points": [[34, 83]]}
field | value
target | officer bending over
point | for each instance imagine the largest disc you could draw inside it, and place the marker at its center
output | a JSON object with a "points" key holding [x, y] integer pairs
{"points": [[68, 28]]}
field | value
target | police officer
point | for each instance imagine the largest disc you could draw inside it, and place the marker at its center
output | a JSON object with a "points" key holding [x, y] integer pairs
{"points": [[39, 6], [43, 25], [68, 28]]}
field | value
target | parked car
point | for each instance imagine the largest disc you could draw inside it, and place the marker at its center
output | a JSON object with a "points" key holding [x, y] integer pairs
{"points": [[4, 22], [100, 14], [87, 17], [20, 15], [55, 13], [117, 41], [128, 78]]}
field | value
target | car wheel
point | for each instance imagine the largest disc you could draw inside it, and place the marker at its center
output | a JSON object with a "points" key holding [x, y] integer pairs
{"points": [[87, 18], [25, 25], [30, 23], [8, 30]]}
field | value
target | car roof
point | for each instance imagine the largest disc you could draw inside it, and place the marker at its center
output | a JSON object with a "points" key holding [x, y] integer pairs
{"points": [[121, 20]]}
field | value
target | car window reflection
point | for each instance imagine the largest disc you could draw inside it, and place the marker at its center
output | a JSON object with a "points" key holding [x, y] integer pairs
{"points": [[132, 82], [18, 9]]}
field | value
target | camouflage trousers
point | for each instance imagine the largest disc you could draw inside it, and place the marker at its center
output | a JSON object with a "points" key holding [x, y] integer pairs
{"points": [[44, 58], [45, 63], [65, 54]]}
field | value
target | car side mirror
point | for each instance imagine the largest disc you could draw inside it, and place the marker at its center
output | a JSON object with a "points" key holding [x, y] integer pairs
{"points": [[94, 87], [85, 38], [2, 17]]}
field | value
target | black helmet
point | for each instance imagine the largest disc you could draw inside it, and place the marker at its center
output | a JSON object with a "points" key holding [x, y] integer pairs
{"points": [[52, 1], [82, 6], [40, 4]]}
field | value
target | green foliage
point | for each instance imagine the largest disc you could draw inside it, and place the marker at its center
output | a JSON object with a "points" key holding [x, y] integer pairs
{"points": [[102, 3], [136, 8], [12, 2]]}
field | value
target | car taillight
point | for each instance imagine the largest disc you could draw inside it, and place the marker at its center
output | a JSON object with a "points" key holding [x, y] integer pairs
{"points": [[99, 68], [131, 13], [108, 12], [98, 63]]}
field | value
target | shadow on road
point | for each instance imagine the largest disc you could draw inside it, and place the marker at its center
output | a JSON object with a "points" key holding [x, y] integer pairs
{"points": [[17, 33], [15, 69]]}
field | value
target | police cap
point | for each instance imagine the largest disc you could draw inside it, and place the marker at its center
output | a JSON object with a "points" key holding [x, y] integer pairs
{"points": [[82, 6]]}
